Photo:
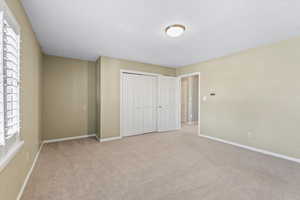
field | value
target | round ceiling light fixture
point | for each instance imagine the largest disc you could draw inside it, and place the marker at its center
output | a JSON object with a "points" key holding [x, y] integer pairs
{"points": [[175, 30]]}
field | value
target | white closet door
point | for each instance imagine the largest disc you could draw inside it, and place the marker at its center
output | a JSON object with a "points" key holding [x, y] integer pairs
{"points": [[168, 114], [139, 110], [150, 103], [132, 112]]}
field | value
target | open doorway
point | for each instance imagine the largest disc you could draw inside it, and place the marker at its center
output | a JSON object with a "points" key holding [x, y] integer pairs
{"points": [[190, 103]]}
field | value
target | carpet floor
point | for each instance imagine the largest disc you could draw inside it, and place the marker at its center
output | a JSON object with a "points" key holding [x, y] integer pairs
{"points": [[176, 165]]}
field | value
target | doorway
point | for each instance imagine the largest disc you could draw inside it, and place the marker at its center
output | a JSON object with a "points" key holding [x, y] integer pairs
{"points": [[190, 103]]}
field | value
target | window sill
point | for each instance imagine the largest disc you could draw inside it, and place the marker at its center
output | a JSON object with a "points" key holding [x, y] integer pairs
{"points": [[10, 155]]}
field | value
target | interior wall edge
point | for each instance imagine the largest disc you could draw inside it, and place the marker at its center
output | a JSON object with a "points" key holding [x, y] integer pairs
{"points": [[98, 98]]}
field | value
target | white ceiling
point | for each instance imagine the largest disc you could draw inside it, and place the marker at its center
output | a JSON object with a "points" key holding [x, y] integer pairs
{"points": [[134, 29]]}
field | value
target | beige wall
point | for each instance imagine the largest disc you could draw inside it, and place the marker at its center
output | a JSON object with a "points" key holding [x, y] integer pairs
{"points": [[184, 99], [256, 91], [110, 90], [98, 97], [69, 97], [13, 176], [92, 97]]}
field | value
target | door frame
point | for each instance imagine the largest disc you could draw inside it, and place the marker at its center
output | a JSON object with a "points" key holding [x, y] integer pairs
{"points": [[122, 71], [199, 96]]}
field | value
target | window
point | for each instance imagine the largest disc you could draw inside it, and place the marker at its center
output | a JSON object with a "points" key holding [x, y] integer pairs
{"points": [[9, 83]]}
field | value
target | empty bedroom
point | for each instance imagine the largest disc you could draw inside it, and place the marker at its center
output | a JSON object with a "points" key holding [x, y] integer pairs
{"points": [[149, 100]]}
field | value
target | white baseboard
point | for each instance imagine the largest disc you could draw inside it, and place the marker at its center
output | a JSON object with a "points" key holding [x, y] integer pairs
{"points": [[29, 172], [110, 139], [253, 149], [68, 138], [4, 161]]}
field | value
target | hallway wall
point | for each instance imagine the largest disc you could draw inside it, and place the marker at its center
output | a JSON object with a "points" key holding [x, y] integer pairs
{"points": [[189, 98]]}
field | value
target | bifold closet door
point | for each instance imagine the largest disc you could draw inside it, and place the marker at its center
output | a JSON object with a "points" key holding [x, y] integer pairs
{"points": [[132, 115], [168, 103], [149, 93], [139, 110]]}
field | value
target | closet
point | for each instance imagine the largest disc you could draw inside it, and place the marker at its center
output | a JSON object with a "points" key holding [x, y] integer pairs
{"points": [[139, 104], [149, 103]]}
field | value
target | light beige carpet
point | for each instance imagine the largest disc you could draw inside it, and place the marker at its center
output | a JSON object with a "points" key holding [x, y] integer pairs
{"points": [[161, 166]]}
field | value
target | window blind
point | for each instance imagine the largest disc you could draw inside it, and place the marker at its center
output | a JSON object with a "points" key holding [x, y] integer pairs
{"points": [[9, 85], [11, 80], [2, 133]]}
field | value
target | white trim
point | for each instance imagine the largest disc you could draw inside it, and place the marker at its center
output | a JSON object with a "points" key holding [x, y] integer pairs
{"points": [[10, 154], [29, 172], [68, 138], [189, 74], [138, 72], [199, 97], [253, 149], [110, 139], [98, 138]]}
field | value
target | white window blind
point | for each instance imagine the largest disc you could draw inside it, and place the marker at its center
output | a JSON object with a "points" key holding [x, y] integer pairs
{"points": [[9, 82], [2, 133]]}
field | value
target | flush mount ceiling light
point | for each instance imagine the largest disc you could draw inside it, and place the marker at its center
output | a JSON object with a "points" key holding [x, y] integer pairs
{"points": [[175, 30]]}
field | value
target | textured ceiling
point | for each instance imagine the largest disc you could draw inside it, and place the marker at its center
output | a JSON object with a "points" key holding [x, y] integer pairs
{"points": [[134, 29]]}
